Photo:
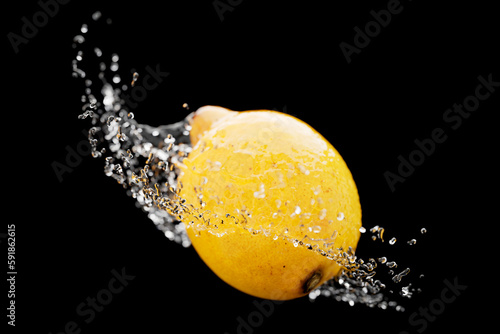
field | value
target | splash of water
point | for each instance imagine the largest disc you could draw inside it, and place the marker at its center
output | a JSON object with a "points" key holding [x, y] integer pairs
{"points": [[141, 158], [144, 160]]}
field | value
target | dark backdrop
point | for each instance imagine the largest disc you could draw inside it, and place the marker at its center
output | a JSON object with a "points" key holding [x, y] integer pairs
{"points": [[252, 54]]}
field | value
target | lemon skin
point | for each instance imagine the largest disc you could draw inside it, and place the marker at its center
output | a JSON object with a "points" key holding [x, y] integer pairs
{"points": [[274, 203]]}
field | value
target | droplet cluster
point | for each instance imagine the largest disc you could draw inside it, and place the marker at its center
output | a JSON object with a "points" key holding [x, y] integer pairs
{"points": [[141, 158]]}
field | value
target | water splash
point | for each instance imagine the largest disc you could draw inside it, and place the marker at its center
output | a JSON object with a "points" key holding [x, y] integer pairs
{"points": [[141, 158], [145, 161]]}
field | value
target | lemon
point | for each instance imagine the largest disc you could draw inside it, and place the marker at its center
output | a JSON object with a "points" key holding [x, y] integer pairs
{"points": [[274, 205]]}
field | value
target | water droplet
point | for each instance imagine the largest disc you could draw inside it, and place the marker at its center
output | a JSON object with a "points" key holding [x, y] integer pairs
{"points": [[214, 166], [397, 278], [303, 169], [78, 73], [406, 292], [79, 39], [316, 190], [297, 210], [316, 229], [340, 216], [98, 53], [135, 76], [261, 192], [392, 264], [96, 15], [412, 242], [322, 214], [84, 28], [392, 241], [362, 229], [116, 79], [423, 230], [109, 120]]}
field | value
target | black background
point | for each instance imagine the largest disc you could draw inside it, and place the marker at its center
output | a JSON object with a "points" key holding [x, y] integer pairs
{"points": [[263, 55]]}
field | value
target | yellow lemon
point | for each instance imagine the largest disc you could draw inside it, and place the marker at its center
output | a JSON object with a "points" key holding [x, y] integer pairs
{"points": [[274, 204]]}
